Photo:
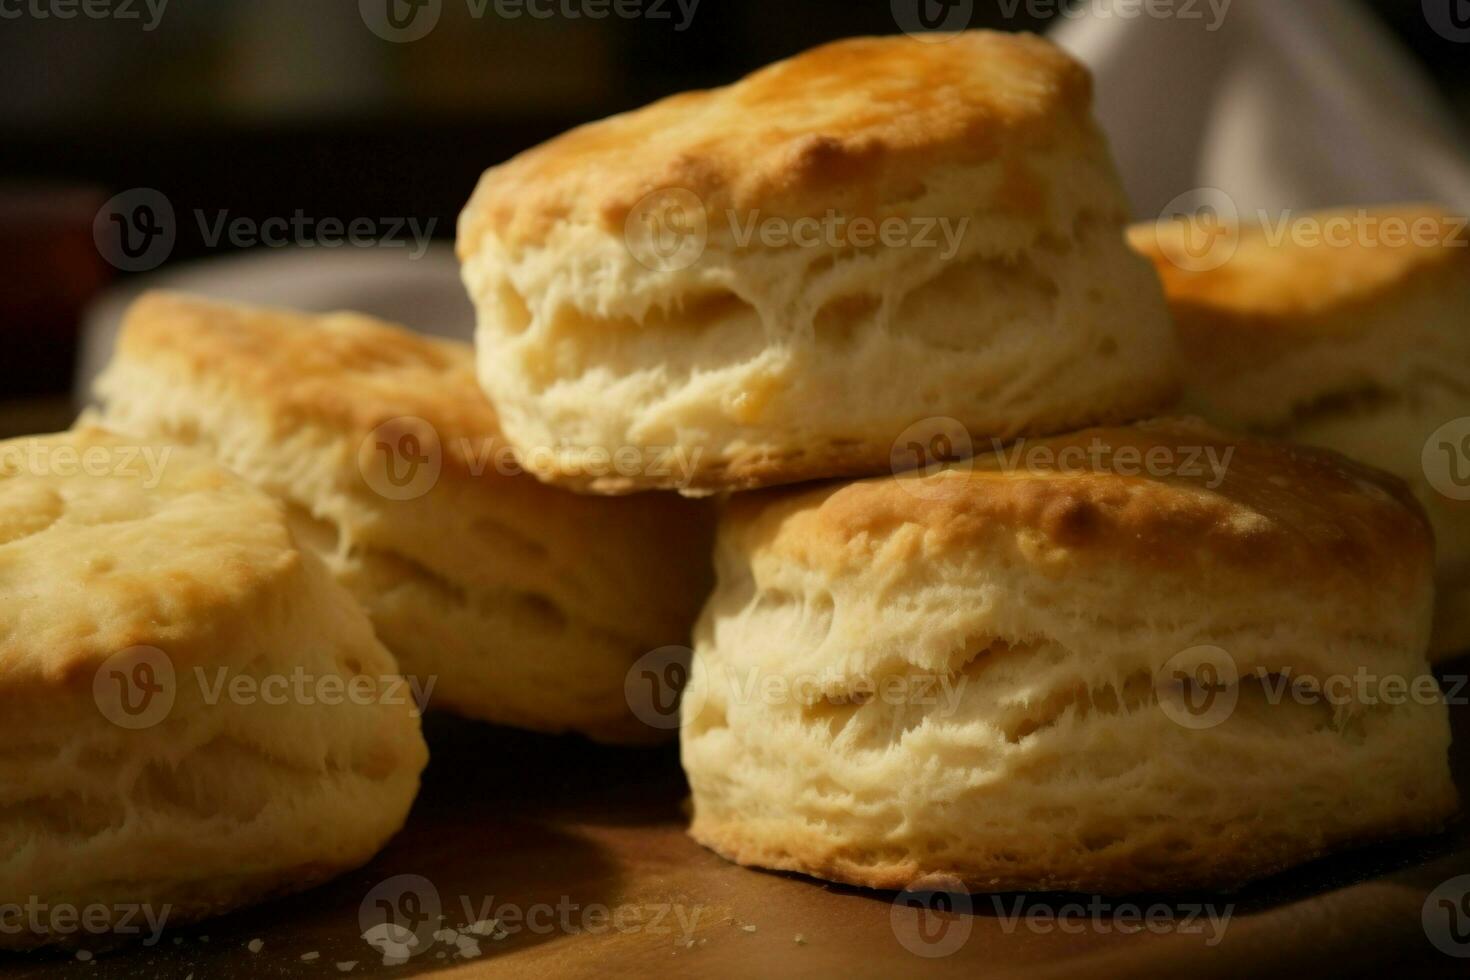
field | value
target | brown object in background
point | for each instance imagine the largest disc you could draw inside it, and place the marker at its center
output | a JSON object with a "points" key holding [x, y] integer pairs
{"points": [[51, 271]]}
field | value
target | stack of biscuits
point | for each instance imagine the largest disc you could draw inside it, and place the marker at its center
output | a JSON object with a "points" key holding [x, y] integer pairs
{"points": [[984, 606]]}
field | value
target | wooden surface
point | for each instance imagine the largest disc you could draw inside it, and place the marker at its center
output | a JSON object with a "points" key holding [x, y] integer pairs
{"points": [[513, 819]]}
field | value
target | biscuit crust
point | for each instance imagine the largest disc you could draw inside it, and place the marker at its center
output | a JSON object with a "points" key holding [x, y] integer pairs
{"points": [[1060, 671], [853, 119], [1344, 329], [501, 587], [777, 278], [140, 586]]}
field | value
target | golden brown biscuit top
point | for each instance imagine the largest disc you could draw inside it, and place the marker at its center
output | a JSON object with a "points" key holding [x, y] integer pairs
{"points": [[344, 371], [107, 543], [1304, 274], [1173, 494], [867, 116]]}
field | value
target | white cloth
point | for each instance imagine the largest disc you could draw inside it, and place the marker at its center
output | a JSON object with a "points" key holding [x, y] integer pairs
{"points": [[1285, 104]]}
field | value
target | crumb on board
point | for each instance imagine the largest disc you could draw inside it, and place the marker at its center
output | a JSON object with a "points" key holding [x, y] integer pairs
{"points": [[255, 945]]}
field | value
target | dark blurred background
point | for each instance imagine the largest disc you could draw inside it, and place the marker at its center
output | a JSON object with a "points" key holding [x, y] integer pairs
{"points": [[264, 107]]}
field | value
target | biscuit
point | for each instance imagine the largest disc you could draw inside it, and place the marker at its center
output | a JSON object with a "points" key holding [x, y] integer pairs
{"points": [[526, 604], [1346, 329], [196, 715], [776, 279], [1061, 668]]}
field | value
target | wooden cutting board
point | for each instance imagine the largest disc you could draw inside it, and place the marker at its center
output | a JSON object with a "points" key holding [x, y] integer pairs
{"points": [[576, 838]]}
